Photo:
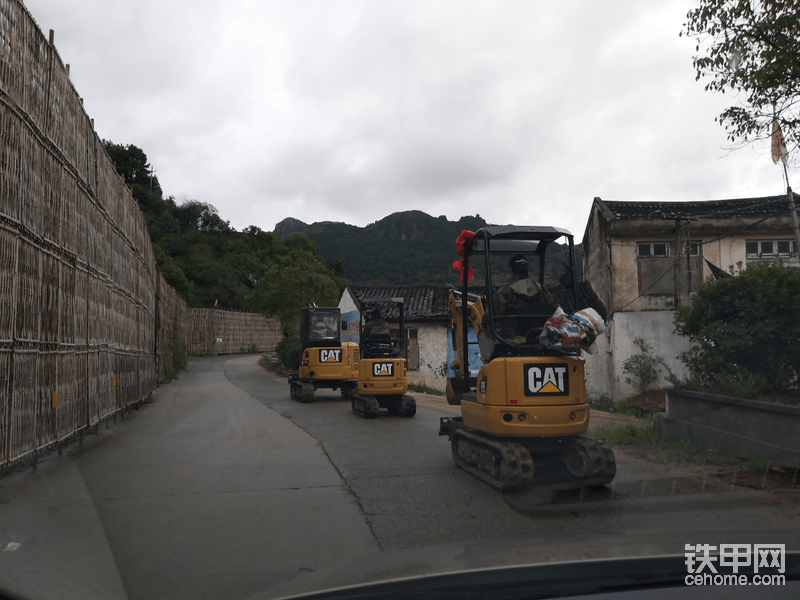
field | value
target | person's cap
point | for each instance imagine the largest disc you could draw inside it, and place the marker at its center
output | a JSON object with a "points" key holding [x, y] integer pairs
{"points": [[518, 263]]}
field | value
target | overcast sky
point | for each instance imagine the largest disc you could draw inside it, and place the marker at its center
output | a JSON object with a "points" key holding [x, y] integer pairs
{"points": [[521, 111]]}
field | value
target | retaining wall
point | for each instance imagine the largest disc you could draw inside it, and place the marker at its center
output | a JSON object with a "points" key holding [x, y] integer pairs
{"points": [[743, 427]]}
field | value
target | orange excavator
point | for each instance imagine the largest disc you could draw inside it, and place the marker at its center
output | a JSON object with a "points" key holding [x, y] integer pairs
{"points": [[525, 411], [325, 361]]}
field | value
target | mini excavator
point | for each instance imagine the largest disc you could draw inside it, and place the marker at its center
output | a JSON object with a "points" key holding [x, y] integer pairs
{"points": [[382, 369], [525, 410], [325, 361]]}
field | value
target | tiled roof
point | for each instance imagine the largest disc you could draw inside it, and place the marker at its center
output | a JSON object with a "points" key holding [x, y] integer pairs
{"points": [[428, 303], [421, 302], [750, 207]]}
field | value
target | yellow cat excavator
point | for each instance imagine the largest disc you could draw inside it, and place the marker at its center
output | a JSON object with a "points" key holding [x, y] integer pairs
{"points": [[382, 379], [525, 410], [325, 361]]}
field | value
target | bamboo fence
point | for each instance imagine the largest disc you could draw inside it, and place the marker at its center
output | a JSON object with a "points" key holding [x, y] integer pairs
{"points": [[213, 331], [86, 319]]}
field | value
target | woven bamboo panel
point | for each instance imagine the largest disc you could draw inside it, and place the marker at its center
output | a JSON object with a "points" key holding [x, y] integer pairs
{"points": [[81, 307], [31, 182], [77, 373], [99, 298], [8, 260], [48, 299], [27, 301], [66, 119], [46, 385], [93, 386], [5, 401], [106, 398], [12, 24], [70, 410], [66, 304], [9, 161], [22, 418], [36, 58], [51, 215], [73, 228]]}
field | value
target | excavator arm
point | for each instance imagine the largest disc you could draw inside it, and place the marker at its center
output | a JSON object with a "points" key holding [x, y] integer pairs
{"points": [[476, 305]]}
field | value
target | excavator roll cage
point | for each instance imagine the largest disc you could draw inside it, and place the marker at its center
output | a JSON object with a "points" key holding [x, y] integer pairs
{"points": [[514, 334]]}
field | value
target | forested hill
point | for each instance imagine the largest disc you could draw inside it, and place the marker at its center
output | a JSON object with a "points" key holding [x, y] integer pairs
{"points": [[212, 264], [404, 248]]}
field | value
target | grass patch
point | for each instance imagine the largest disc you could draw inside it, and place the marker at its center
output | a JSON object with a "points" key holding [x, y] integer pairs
{"points": [[424, 389], [267, 363], [667, 448]]}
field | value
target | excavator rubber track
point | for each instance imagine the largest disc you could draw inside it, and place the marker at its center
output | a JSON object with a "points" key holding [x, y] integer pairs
{"points": [[306, 392], [404, 406], [504, 465], [365, 406], [302, 392], [590, 462]]}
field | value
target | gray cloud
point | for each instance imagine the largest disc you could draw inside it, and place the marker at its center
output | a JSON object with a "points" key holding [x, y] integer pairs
{"points": [[348, 110]]}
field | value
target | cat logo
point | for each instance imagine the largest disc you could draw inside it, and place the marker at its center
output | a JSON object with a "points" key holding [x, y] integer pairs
{"points": [[546, 380], [328, 355], [383, 369]]}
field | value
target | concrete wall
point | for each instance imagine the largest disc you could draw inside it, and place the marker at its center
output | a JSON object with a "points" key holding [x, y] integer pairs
{"points": [[743, 427], [604, 374]]}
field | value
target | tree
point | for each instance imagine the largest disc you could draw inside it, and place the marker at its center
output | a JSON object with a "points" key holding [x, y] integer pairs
{"points": [[744, 331], [295, 279], [131, 163], [751, 47]]}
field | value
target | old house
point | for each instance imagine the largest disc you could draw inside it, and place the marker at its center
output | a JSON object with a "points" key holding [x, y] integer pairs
{"points": [[645, 258], [426, 323]]}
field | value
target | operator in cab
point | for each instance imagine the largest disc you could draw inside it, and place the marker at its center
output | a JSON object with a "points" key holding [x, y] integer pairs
{"points": [[518, 290]]}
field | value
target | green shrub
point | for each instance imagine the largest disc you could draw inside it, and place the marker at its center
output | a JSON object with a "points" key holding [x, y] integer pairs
{"points": [[742, 331], [288, 352], [179, 354], [644, 368]]}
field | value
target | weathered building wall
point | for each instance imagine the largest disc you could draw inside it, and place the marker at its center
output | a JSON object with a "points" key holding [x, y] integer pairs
{"points": [[432, 339], [604, 370]]}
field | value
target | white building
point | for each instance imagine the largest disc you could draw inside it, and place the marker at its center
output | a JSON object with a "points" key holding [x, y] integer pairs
{"points": [[643, 259]]}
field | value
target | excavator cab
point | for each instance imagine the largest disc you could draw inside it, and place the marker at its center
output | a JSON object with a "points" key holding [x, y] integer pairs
{"points": [[526, 407], [325, 361], [382, 369]]}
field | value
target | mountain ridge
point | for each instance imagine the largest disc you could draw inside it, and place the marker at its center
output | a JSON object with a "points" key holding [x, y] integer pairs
{"points": [[403, 248]]}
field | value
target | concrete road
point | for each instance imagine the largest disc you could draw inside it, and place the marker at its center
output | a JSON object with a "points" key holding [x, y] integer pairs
{"points": [[224, 487]]}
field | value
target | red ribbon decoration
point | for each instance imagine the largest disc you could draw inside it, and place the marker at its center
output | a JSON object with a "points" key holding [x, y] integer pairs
{"points": [[461, 241]]}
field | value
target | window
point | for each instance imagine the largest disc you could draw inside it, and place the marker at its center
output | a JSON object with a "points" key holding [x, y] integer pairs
{"points": [[657, 268], [647, 249], [769, 248]]}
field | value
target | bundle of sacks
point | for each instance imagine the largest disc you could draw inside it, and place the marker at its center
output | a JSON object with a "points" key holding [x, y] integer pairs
{"points": [[570, 333]]}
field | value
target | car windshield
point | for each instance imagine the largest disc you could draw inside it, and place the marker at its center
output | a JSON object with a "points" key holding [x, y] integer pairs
{"points": [[358, 316]]}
